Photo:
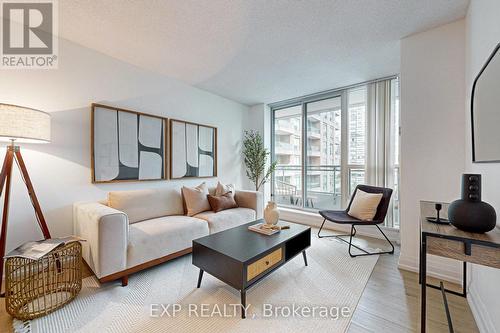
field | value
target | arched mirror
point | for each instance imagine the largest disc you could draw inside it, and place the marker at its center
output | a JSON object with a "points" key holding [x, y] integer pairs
{"points": [[485, 110]]}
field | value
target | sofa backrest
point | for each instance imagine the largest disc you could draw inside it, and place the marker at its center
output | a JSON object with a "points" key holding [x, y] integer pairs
{"points": [[143, 205]]}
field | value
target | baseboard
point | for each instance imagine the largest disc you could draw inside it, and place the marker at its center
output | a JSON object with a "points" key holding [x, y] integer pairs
{"points": [[480, 312], [314, 220], [438, 270]]}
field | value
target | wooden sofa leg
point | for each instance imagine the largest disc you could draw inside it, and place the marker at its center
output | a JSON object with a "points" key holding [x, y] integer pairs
{"points": [[125, 281]]}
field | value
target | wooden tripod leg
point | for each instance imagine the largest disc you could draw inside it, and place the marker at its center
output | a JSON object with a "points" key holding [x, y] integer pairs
{"points": [[31, 192], [6, 177], [3, 175]]}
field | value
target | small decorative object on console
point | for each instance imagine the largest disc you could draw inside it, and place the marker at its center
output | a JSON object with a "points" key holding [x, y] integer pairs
{"points": [[470, 213], [438, 219], [271, 213]]}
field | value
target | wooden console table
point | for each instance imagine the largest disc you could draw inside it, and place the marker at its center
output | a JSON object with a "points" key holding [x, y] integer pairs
{"points": [[450, 242]]}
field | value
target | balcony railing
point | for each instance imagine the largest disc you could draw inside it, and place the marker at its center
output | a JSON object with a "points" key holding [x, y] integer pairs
{"points": [[322, 193], [284, 145], [314, 152], [325, 193], [286, 127], [283, 148], [313, 131]]}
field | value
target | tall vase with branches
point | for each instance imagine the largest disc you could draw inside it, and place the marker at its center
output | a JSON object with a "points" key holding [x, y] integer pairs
{"points": [[255, 156]]}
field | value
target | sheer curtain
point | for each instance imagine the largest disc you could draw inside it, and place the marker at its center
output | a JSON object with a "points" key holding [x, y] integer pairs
{"points": [[383, 140]]}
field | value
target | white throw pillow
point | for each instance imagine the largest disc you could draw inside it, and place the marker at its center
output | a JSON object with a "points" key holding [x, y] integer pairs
{"points": [[195, 199], [364, 205], [222, 189]]}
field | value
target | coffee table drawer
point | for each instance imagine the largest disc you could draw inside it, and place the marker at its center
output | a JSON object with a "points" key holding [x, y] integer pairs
{"points": [[263, 264]]}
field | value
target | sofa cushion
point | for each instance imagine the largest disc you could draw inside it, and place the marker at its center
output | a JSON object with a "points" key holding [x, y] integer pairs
{"points": [[227, 218], [222, 189], [155, 238], [222, 202], [142, 205], [195, 199], [364, 205]]}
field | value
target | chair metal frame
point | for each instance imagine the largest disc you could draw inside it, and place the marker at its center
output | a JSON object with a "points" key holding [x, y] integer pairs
{"points": [[378, 219]]}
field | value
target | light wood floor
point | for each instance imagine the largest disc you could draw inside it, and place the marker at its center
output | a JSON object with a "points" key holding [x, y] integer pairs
{"points": [[390, 302]]}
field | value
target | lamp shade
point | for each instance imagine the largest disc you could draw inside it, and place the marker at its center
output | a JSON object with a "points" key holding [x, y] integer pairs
{"points": [[24, 124]]}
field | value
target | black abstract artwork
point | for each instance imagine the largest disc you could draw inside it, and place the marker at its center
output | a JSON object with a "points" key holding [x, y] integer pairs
{"points": [[193, 150], [127, 145]]}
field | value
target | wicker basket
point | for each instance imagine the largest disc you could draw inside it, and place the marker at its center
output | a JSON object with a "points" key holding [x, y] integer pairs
{"points": [[34, 288]]}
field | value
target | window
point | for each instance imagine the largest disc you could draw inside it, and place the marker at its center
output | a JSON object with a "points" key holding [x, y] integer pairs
{"points": [[325, 146], [356, 126], [394, 152], [287, 185], [324, 118]]}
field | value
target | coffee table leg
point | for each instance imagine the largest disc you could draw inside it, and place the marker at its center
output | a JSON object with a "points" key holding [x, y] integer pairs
{"points": [[199, 278], [243, 303], [305, 257]]}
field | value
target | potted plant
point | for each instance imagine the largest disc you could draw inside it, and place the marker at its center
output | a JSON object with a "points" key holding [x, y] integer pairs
{"points": [[255, 155]]}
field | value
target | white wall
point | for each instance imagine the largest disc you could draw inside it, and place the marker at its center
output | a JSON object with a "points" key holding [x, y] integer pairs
{"points": [[432, 130], [60, 170], [482, 35]]}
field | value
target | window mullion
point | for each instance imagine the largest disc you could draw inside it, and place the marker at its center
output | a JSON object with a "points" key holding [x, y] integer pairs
{"points": [[304, 154], [344, 172]]}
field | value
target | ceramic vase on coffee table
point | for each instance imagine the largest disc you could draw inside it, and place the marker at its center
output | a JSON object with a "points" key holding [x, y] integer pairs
{"points": [[271, 213]]}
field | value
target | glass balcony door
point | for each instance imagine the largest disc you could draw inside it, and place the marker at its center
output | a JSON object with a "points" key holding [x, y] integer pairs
{"points": [[327, 144], [288, 183], [323, 151], [334, 149], [356, 138]]}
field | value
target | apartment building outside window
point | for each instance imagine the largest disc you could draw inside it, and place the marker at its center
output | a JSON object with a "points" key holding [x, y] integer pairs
{"points": [[325, 146]]}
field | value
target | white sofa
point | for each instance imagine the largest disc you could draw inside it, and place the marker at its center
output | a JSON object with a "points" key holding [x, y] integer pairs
{"points": [[148, 227]]}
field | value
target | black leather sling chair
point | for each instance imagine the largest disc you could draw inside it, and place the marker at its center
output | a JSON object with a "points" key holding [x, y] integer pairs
{"points": [[341, 217]]}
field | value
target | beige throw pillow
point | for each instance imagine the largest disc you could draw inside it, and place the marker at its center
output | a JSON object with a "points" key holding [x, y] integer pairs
{"points": [[195, 199], [364, 205], [222, 189]]}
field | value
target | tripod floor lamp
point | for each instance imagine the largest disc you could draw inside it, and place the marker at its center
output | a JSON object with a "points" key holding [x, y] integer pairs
{"points": [[20, 125]]}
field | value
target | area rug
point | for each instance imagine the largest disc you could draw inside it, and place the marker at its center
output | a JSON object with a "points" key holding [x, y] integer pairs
{"points": [[318, 298]]}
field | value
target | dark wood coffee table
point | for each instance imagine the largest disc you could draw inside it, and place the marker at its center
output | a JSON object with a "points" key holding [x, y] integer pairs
{"points": [[241, 258]]}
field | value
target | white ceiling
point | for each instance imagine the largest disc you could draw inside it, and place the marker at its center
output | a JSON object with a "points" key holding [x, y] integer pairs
{"points": [[256, 51]]}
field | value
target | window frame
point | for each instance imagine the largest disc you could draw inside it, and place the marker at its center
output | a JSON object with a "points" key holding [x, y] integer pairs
{"points": [[345, 167]]}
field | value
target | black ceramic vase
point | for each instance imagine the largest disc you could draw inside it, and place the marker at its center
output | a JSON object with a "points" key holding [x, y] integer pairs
{"points": [[470, 213]]}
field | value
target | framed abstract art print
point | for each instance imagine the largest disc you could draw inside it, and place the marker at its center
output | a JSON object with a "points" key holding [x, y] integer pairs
{"points": [[127, 145], [193, 150]]}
